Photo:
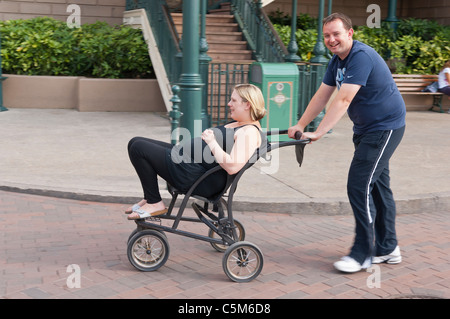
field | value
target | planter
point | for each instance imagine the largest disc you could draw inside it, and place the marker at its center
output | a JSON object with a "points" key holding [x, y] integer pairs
{"points": [[127, 95], [83, 94], [22, 91]]}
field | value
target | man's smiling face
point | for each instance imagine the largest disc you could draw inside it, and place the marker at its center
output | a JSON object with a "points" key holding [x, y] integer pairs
{"points": [[337, 39]]}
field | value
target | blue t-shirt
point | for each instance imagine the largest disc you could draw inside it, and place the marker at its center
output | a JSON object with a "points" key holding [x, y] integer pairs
{"points": [[378, 104]]}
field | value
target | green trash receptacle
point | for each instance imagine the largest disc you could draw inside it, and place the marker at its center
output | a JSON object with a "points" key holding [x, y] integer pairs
{"points": [[279, 85]]}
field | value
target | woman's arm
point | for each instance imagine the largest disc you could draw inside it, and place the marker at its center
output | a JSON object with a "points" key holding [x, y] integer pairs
{"points": [[246, 141]]}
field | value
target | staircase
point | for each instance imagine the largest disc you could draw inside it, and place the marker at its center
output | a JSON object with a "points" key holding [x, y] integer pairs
{"points": [[230, 58], [226, 43]]}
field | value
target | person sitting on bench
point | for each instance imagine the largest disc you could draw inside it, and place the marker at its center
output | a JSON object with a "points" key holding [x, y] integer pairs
{"points": [[444, 79], [230, 146]]}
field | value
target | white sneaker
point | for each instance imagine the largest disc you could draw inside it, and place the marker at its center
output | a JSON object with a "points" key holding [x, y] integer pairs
{"points": [[393, 258], [348, 264]]}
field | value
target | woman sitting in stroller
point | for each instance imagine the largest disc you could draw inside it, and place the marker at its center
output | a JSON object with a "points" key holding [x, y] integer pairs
{"points": [[230, 146]]}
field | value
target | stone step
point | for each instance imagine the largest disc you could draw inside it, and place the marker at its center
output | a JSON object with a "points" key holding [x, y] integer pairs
{"points": [[225, 42], [214, 27], [229, 55], [233, 45], [210, 18]]}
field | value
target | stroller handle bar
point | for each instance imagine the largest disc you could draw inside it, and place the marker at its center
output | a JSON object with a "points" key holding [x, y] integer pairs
{"points": [[298, 134], [297, 140]]}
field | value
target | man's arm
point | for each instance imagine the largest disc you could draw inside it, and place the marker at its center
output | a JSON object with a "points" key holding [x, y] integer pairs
{"points": [[337, 109]]}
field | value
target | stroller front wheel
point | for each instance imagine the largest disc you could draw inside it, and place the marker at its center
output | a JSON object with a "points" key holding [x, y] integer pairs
{"points": [[242, 262], [148, 250]]}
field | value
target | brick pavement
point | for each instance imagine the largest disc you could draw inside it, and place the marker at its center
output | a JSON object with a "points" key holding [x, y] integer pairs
{"points": [[41, 236]]}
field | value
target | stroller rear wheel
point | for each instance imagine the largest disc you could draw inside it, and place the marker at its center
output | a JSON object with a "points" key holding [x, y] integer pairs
{"points": [[222, 247], [242, 262], [148, 250]]}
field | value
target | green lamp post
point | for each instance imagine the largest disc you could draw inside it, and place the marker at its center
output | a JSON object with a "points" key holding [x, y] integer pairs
{"points": [[293, 47], [392, 18], [204, 61], [319, 49], [190, 81]]}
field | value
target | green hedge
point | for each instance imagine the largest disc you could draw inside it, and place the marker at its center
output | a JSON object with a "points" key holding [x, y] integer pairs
{"points": [[45, 46], [416, 47]]}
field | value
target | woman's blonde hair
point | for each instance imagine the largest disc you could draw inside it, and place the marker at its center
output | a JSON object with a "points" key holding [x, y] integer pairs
{"points": [[252, 94]]}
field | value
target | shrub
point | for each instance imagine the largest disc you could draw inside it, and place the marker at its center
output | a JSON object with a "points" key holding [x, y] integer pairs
{"points": [[421, 28], [304, 20], [306, 40], [45, 46], [416, 47]]}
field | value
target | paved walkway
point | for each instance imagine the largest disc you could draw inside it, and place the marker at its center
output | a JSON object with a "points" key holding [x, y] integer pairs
{"points": [[42, 236], [299, 217]]}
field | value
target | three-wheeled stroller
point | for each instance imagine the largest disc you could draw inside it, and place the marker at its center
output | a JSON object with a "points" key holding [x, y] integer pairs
{"points": [[148, 247]]}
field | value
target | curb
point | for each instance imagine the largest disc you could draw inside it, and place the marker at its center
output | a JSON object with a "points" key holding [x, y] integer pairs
{"points": [[325, 206]]}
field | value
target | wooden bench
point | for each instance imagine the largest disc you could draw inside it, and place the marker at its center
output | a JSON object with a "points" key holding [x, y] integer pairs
{"points": [[413, 84]]}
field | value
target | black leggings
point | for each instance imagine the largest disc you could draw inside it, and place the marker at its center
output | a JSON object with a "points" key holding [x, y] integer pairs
{"points": [[149, 160]]}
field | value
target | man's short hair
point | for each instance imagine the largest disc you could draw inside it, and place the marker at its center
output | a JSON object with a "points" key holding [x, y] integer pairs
{"points": [[346, 21]]}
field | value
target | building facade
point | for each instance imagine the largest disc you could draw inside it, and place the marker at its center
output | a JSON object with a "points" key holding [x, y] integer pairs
{"points": [[438, 10], [111, 11], [91, 11]]}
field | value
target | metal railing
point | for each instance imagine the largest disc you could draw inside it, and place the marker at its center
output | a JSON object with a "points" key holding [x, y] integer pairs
{"points": [[222, 79], [164, 31], [258, 31], [310, 78], [224, 76]]}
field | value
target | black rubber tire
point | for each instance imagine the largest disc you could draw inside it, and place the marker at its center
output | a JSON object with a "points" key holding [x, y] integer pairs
{"points": [[242, 262], [148, 250]]}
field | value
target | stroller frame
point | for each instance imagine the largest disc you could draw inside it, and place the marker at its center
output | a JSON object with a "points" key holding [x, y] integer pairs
{"points": [[148, 247]]}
